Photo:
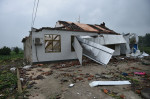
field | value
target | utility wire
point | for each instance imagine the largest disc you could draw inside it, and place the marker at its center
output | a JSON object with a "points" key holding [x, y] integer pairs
{"points": [[35, 12]]}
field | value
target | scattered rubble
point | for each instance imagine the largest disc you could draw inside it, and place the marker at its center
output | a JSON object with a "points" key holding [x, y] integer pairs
{"points": [[27, 67], [146, 93], [74, 78], [113, 94], [39, 77], [71, 85]]}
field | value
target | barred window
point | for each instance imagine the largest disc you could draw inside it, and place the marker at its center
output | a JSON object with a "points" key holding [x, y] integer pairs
{"points": [[52, 43]]}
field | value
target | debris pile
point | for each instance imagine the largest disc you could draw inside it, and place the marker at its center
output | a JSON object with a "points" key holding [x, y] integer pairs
{"points": [[71, 75]]}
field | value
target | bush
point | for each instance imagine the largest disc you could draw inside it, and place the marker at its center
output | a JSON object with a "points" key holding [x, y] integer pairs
{"points": [[16, 50], [5, 51]]}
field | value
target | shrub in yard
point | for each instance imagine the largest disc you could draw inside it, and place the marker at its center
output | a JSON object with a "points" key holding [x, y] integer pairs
{"points": [[5, 51], [16, 50]]}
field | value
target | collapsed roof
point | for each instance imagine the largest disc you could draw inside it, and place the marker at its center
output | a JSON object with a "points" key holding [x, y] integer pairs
{"points": [[84, 27], [79, 27]]}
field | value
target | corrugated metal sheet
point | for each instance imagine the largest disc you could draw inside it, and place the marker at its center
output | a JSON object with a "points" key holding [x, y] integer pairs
{"points": [[96, 52], [107, 39], [78, 49]]}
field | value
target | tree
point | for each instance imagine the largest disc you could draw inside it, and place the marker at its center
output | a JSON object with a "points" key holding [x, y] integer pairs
{"points": [[144, 40], [5, 51], [16, 50], [141, 41], [147, 40]]}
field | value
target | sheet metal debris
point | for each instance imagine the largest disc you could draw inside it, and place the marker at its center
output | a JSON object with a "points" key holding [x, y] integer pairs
{"points": [[78, 49], [96, 83], [107, 39], [96, 52]]}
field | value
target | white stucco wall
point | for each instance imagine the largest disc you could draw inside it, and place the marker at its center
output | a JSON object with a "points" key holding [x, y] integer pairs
{"points": [[65, 53], [117, 50]]}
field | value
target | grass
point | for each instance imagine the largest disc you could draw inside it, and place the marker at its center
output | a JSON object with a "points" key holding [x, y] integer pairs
{"points": [[8, 82], [145, 49], [12, 56]]}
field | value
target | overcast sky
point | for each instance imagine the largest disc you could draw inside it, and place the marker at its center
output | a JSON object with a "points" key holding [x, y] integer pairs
{"points": [[122, 16]]}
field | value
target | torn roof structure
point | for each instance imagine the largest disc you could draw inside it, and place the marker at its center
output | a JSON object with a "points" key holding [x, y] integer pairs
{"points": [[56, 44], [80, 27], [84, 27]]}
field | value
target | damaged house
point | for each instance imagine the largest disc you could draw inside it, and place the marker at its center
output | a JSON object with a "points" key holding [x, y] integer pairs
{"points": [[69, 40]]}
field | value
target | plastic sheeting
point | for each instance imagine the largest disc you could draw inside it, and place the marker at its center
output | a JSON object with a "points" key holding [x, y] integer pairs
{"points": [[96, 52]]}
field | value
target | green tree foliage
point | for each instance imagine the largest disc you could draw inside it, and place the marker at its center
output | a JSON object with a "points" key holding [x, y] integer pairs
{"points": [[144, 43], [5, 51], [144, 40], [141, 41], [16, 50], [147, 40]]}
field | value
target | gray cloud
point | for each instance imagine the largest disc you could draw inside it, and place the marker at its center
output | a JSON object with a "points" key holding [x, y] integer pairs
{"points": [[119, 15]]}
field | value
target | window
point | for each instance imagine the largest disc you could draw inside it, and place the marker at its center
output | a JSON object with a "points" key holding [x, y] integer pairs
{"points": [[52, 43], [72, 40]]}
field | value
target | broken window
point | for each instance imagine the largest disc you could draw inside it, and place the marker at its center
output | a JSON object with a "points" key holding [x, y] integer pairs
{"points": [[52, 43], [72, 40]]}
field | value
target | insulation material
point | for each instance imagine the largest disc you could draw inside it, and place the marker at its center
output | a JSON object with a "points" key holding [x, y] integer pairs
{"points": [[96, 52], [78, 49]]}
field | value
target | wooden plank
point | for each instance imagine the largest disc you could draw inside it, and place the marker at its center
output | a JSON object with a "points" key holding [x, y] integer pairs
{"points": [[19, 82]]}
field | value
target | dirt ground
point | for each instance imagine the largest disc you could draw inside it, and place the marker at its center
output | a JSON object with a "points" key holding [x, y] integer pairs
{"points": [[51, 81]]}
